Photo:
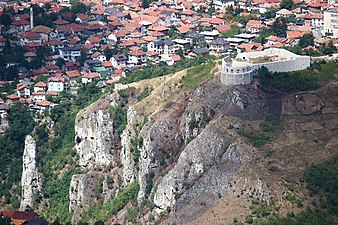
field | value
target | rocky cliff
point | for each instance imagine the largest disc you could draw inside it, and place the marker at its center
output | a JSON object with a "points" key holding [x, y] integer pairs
{"points": [[30, 182], [186, 149]]}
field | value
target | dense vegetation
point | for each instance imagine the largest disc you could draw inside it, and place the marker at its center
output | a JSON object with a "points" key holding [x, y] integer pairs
{"points": [[321, 180], [12, 145], [102, 212], [299, 80]]}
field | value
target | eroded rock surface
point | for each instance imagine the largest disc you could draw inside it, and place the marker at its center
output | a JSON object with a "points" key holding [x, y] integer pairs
{"points": [[30, 177]]}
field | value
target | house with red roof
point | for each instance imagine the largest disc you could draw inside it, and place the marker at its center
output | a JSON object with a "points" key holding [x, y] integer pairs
{"points": [[40, 87], [44, 32], [315, 20], [254, 26], [136, 58], [31, 37], [23, 91], [38, 96], [99, 56], [18, 217], [20, 26], [58, 83], [44, 105], [90, 77]]}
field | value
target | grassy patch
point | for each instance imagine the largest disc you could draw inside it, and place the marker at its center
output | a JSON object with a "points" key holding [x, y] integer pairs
{"points": [[256, 138], [270, 124], [197, 75]]}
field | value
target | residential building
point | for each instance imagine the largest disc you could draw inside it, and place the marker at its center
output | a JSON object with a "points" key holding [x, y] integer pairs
{"points": [[119, 60], [219, 46], [90, 77], [331, 23], [136, 58], [40, 87], [57, 83], [70, 53], [23, 91]]}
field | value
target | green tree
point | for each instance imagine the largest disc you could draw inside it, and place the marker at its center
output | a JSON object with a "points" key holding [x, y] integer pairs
{"points": [[306, 40], [41, 78], [5, 19], [110, 52], [83, 57], [330, 48], [78, 7], [287, 4], [180, 52], [145, 4], [279, 27], [60, 62], [5, 221]]}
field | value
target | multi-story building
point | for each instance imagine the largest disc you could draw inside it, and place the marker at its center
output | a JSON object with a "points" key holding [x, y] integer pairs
{"points": [[331, 22], [70, 53]]}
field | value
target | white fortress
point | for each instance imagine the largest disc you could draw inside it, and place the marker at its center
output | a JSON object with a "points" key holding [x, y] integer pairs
{"points": [[241, 69]]}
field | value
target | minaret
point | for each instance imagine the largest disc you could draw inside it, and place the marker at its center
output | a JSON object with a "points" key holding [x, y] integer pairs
{"points": [[32, 23]]}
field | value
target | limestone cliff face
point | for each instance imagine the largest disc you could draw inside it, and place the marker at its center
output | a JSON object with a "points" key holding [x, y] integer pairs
{"points": [[128, 169], [81, 192], [4, 124], [94, 135], [210, 148], [30, 177], [186, 145]]}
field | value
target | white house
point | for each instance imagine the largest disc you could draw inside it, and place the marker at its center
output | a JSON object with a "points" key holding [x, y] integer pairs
{"points": [[70, 53], [118, 60], [57, 84], [40, 87], [23, 91], [137, 57], [99, 56], [38, 96], [90, 77]]}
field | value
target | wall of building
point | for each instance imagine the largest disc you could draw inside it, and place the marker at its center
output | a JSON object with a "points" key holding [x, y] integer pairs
{"points": [[244, 74]]}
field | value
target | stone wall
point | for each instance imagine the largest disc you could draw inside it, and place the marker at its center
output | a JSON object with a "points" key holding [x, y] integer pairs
{"points": [[235, 75]]}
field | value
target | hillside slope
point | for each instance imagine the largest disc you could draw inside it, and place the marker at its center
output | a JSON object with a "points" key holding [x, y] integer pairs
{"points": [[185, 149]]}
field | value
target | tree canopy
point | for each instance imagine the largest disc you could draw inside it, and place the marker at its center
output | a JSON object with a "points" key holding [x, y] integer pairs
{"points": [[306, 40], [287, 4]]}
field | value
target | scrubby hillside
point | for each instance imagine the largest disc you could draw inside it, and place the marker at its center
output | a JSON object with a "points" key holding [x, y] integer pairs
{"points": [[185, 149]]}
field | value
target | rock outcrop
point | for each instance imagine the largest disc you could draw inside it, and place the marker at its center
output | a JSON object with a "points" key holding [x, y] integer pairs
{"points": [[4, 124], [30, 177], [94, 136], [210, 148]]}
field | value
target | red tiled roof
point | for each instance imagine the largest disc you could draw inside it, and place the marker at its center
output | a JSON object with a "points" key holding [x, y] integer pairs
{"points": [[39, 93], [20, 23], [60, 22], [44, 103], [176, 58], [52, 93], [137, 53], [91, 75], [40, 84], [73, 73], [13, 97], [30, 34]]}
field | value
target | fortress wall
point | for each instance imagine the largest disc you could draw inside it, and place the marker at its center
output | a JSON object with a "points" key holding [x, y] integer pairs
{"points": [[244, 75]]}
